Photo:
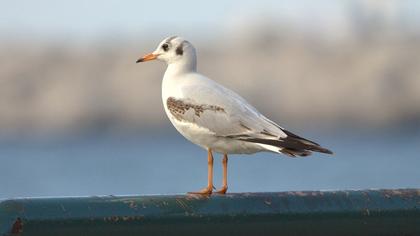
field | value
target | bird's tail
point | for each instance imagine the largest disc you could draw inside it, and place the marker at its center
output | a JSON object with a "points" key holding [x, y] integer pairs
{"points": [[292, 145]]}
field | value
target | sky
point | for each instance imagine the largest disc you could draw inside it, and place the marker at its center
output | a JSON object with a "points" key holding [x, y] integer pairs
{"points": [[87, 19]]}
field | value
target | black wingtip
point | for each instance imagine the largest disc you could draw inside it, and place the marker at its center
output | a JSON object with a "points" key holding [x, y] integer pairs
{"points": [[324, 150]]}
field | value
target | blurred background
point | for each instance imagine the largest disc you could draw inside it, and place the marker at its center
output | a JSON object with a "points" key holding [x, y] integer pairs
{"points": [[79, 117]]}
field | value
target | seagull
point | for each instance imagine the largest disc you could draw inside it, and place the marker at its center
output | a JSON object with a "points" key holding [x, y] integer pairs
{"points": [[216, 118]]}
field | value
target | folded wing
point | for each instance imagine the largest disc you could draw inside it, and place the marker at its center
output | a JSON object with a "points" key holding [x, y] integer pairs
{"points": [[226, 114]]}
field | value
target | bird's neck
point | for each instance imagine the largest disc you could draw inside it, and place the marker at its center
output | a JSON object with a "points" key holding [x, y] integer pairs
{"points": [[187, 65]]}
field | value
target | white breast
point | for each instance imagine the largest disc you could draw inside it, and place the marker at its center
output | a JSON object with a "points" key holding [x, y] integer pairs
{"points": [[171, 87]]}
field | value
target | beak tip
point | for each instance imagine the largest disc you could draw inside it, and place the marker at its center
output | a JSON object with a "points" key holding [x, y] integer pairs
{"points": [[148, 57]]}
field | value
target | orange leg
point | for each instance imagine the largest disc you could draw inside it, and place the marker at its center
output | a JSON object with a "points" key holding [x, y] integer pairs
{"points": [[224, 184], [209, 189]]}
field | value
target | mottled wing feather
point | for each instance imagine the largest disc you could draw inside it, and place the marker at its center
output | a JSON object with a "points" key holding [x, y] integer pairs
{"points": [[221, 111]]}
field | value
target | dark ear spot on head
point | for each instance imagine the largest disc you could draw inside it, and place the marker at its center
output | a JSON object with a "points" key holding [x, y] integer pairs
{"points": [[179, 50]]}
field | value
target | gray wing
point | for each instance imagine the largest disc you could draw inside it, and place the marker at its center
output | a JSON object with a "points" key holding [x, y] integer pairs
{"points": [[209, 105], [221, 111]]}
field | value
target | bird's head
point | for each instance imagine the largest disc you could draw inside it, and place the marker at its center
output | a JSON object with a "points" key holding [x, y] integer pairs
{"points": [[173, 50]]}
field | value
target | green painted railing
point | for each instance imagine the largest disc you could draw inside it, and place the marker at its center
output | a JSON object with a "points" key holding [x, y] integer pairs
{"points": [[370, 212]]}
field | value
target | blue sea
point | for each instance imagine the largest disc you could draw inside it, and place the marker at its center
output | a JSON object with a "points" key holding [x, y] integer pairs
{"points": [[165, 163]]}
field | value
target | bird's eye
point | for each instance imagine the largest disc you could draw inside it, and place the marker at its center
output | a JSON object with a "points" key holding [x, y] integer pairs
{"points": [[165, 47]]}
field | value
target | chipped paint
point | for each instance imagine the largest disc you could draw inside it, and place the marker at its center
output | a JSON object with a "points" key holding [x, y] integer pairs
{"points": [[17, 226], [183, 205], [396, 209], [62, 207]]}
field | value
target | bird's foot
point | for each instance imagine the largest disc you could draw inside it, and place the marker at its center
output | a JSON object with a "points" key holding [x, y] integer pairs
{"points": [[222, 190], [205, 191]]}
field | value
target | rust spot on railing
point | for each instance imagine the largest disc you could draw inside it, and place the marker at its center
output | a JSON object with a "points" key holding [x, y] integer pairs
{"points": [[17, 227]]}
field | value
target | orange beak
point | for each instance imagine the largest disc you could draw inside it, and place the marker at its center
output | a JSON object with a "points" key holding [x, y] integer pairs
{"points": [[148, 57]]}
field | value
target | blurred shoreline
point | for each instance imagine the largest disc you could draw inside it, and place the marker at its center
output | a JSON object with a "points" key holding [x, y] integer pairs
{"points": [[366, 78]]}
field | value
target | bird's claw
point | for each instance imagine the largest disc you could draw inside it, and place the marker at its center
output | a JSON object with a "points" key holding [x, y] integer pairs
{"points": [[206, 191], [222, 190]]}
